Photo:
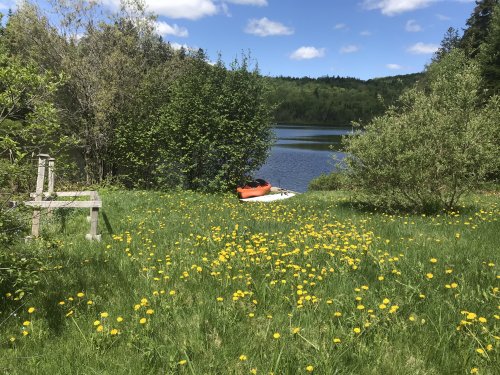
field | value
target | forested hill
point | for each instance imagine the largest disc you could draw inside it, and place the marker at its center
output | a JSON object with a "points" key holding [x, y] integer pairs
{"points": [[335, 100]]}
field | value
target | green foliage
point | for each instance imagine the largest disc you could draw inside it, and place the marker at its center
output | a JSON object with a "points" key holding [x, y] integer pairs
{"points": [[436, 145], [489, 56], [478, 27], [217, 126], [334, 100], [326, 182]]}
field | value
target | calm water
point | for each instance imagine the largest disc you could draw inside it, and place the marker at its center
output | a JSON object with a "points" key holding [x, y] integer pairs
{"points": [[300, 154]]}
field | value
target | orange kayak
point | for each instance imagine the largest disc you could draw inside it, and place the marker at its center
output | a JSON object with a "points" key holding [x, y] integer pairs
{"points": [[254, 189]]}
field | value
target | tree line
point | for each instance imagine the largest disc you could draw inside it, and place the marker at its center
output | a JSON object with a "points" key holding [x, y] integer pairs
{"points": [[335, 100]]}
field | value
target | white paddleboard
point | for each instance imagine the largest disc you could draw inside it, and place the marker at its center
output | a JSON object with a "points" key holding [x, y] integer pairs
{"points": [[269, 198]]}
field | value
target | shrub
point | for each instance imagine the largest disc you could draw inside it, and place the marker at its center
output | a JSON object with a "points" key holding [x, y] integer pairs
{"points": [[326, 182], [438, 144]]}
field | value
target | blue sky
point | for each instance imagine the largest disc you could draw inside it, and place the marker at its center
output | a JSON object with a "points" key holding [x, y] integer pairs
{"points": [[357, 38]]}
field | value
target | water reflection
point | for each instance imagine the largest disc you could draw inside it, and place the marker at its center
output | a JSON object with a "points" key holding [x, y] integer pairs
{"points": [[302, 153]]}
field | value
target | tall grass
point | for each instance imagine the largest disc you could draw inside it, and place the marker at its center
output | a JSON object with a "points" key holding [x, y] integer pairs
{"points": [[202, 284]]}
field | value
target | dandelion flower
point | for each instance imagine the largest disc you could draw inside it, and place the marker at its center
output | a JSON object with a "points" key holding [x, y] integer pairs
{"points": [[482, 319], [26, 323], [310, 368], [172, 292], [150, 311], [99, 328], [143, 321], [90, 302], [474, 370], [480, 350], [119, 319], [276, 335], [433, 260], [80, 295], [220, 299], [104, 315], [429, 275], [357, 330], [182, 362], [296, 330], [113, 332], [25, 333], [31, 310], [243, 357], [337, 340], [97, 322], [382, 306]]}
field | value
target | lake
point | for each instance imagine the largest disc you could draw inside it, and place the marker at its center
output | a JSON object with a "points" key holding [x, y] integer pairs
{"points": [[300, 154]]}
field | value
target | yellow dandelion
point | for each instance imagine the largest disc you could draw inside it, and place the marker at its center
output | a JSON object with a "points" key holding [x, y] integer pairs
{"points": [[429, 275], [99, 328], [433, 260], [97, 322], [276, 335], [310, 368], [357, 330], [62, 303], [25, 333], [119, 319], [386, 301], [31, 310], [336, 340], [220, 299], [80, 295], [143, 321], [113, 332], [104, 315], [150, 311], [243, 357], [482, 319], [474, 370], [253, 371], [172, 292], [480, 350], [26, 323], [382, 306], [90, 302], [337, 313], [296, 330], [251, 315], [182, 362]]}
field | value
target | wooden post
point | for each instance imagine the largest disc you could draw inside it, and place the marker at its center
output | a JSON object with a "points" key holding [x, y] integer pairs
{"points": [[35, 226], [51, 178], [94, 216]]}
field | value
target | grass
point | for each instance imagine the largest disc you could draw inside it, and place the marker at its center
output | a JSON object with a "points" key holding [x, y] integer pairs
{"points": [[206, 285]]}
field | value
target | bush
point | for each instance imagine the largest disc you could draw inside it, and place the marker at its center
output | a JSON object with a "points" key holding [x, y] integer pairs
{"points": [[438, 144], [326, 182]]}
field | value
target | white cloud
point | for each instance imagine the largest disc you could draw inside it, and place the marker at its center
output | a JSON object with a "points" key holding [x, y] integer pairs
{"points": [[392, 7], [349, 49], [340, 26], [394, 66], [365, 33], [306, 53], [260, 3], [266, 27], [423, 48], [164, 28], [190, 9], [413, 27]]}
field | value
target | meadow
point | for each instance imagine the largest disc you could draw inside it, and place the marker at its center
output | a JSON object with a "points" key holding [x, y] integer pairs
{"points": [[186, 283]]}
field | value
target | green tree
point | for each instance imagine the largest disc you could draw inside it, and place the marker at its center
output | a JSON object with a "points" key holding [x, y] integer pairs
{"points": [[438, 144], [477, 26], [489, 56], [217, 125]]}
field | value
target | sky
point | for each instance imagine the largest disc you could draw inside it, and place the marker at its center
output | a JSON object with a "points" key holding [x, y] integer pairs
{"points": [[348, 38]]}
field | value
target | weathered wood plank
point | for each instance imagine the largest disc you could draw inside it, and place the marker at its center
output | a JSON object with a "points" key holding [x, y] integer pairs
{"points": [[66, 194], [64, 204]]}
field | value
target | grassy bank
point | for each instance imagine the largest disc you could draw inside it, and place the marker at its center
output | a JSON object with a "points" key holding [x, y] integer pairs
{"points": [[196, 284]]}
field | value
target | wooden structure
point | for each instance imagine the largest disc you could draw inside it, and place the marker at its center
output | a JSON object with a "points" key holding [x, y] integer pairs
{"points": [[46, 200]]}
